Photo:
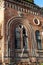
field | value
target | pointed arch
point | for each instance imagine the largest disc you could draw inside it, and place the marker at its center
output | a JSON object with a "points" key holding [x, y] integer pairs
{"points": [[23, 21]]}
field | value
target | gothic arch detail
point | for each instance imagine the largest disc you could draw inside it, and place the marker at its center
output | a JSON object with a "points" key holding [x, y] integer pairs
{"points": [[14, 22]]}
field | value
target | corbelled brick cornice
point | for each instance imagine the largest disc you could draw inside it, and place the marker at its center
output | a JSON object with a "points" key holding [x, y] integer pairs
{"points": [[24, 6]]}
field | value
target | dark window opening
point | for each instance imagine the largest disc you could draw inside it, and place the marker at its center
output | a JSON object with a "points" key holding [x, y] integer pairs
{"points": [[38, 39], [36, 21], [24, 39], [17, 38]]}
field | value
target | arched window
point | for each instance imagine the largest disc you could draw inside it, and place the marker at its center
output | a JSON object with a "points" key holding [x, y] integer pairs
{"points": [[21, 37], [38, 39]]}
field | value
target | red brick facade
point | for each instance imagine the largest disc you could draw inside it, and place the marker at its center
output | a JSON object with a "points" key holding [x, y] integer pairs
{"points": [[15, 14]]}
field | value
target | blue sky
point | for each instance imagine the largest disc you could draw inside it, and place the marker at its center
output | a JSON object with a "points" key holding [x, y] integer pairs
{"points": [[39, 2]]}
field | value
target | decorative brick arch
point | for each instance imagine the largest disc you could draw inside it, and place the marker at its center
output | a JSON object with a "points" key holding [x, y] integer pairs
{"points": [[15, 21]]}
